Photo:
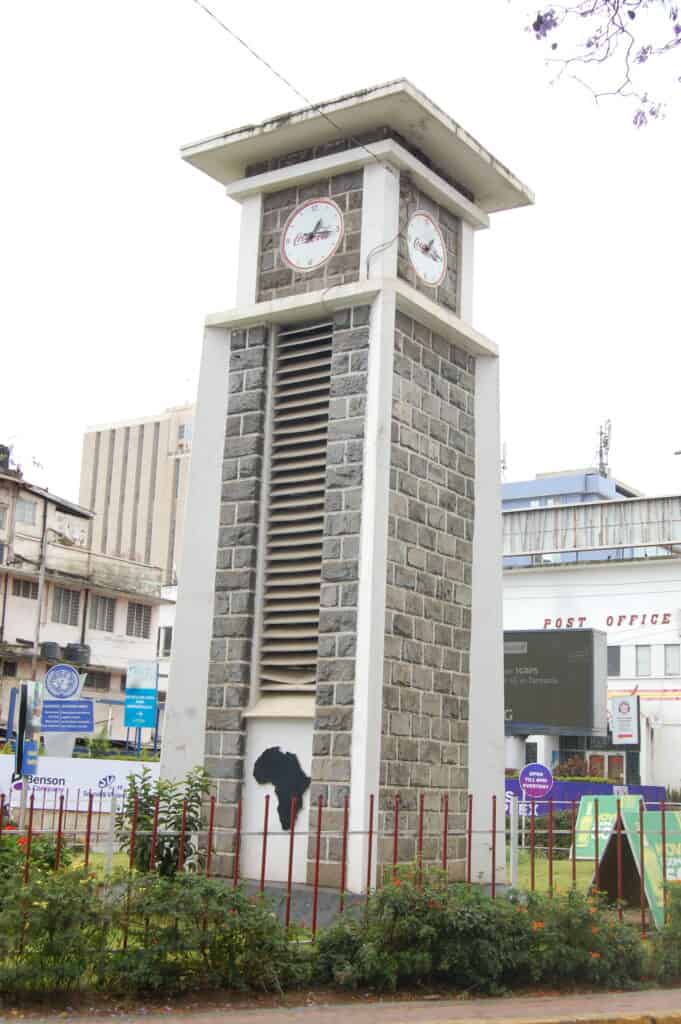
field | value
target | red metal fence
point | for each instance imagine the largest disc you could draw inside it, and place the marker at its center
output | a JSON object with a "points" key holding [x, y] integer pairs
{"points": [[89, 827]]}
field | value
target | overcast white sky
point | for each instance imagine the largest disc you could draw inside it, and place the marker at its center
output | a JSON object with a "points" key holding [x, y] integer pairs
{"points": [[112, 250]]}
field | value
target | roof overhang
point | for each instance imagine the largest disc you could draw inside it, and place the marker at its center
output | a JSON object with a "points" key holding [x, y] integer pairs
{"points": [[397, 105]]}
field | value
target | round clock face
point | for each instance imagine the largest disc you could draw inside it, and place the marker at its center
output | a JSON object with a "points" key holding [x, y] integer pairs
{"points": [[312, 234], [426, 247]]}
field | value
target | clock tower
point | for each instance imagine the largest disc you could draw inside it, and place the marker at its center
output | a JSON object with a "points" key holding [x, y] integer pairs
{"points": [[338, 630]]}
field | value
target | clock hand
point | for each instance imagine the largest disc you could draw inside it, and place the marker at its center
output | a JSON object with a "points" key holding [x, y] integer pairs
{"points": [[311, 234]]}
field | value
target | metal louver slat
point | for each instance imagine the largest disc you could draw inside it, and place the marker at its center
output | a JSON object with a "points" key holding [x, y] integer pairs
{"points": [[295, 512]]}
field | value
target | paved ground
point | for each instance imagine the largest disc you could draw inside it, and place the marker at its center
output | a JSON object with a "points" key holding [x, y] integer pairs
{"points": [[648, 1007]]}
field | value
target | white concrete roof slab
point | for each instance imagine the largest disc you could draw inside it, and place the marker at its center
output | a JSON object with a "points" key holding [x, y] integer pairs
{"points": [[398, 105]]}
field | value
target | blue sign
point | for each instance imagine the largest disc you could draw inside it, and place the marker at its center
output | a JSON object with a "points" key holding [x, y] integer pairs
{"points": [[140, 709], [29, 758], [62, 682], [565, 791], [68, 716], [536, 781], [141, 695]]}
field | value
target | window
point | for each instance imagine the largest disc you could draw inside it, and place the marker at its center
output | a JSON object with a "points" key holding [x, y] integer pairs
{"points": [[3, 516], [165, 641], [643, 660], [26, 511], [123, 683], [9, 668], [139, 620], [102, 613], [98, 681], [25, 588], [184, 432], [66, 606], [672, 660], [614, 661]]}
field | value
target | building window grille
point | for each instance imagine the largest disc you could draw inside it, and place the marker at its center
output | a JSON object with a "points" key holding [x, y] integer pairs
{"points": [[9, 669], [614, 660], [165, 641], [27, 589], [643, 659], [98, 681], [139, 620], [66, 606], [672, 660], [26, 511], [102, 613], [295, 506]]}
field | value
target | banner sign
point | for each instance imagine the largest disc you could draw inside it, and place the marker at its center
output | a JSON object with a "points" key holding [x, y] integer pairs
{"points": [[74, 778], [624, 721], [585, 839], [653, 863], [68, 716], [564, 792], [141, 695]]}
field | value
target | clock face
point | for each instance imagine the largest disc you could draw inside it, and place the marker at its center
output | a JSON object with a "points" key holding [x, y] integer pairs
{"points": [[312, 234], [426, 248]]}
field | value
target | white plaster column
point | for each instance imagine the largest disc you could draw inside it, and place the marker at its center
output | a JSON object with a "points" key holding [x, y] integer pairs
{"points": [[249, 250], [486, 705], [380, 221], [185, 715], [373, 566]]}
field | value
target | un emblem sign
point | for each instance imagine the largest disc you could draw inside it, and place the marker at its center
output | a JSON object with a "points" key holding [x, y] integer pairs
{"points": [[62, 682]]}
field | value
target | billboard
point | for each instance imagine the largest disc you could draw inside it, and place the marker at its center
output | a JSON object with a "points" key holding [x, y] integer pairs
{"points": [[555, 682]]}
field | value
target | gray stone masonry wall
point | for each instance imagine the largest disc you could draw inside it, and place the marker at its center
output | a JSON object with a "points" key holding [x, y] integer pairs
{"points": [[340, 574], [424, 747], [411, 199], [275, 278], [301, 156], [230, 655]]}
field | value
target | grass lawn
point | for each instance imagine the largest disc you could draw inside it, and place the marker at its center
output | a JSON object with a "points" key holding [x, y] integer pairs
{"points": [[562, 873]]}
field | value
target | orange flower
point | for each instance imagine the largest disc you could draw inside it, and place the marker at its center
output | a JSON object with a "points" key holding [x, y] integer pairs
{"points": [[537, 926], [396, 881], [593, 910], [595, 956], [595, 929]]}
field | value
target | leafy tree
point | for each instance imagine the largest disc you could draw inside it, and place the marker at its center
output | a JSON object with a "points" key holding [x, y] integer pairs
{"points": [[608, 46]]}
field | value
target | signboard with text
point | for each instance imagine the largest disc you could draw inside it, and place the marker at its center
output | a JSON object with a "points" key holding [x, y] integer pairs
{"points": [[141, 695], [624, 721]]}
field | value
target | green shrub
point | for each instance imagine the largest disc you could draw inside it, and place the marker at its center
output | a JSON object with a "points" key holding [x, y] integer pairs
{"points": [[43, 854], [427, 935], [51, 932], [667, 946], [457, 936], [189, 932], [575, 941]]}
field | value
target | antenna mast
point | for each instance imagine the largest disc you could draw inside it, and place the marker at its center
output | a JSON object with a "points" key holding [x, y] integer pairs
{"points": [[604, 436]]}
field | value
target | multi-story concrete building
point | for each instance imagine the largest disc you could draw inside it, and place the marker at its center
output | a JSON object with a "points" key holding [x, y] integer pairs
{"points": [[134, 476], [613, 565], [107, 603]]}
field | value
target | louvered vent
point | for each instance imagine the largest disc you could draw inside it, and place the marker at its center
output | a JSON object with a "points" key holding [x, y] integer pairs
{"points": [[295, 516]]}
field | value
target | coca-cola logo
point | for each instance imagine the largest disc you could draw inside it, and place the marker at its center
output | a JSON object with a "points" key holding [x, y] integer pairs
{"points": [[427, 249], [304, 237]]}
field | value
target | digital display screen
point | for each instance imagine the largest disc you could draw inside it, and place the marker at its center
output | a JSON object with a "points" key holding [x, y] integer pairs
{"points": [[555, 682]]}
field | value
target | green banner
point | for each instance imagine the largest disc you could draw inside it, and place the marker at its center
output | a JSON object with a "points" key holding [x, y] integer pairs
{"points": [[653, 867], [585, 829]]}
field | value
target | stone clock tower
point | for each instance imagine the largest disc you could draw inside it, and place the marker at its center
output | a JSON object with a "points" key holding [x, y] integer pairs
{"points": [[339, 613]]}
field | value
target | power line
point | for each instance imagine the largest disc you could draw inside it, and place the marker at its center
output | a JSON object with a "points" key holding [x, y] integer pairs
{"points": [[290, 85]]}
